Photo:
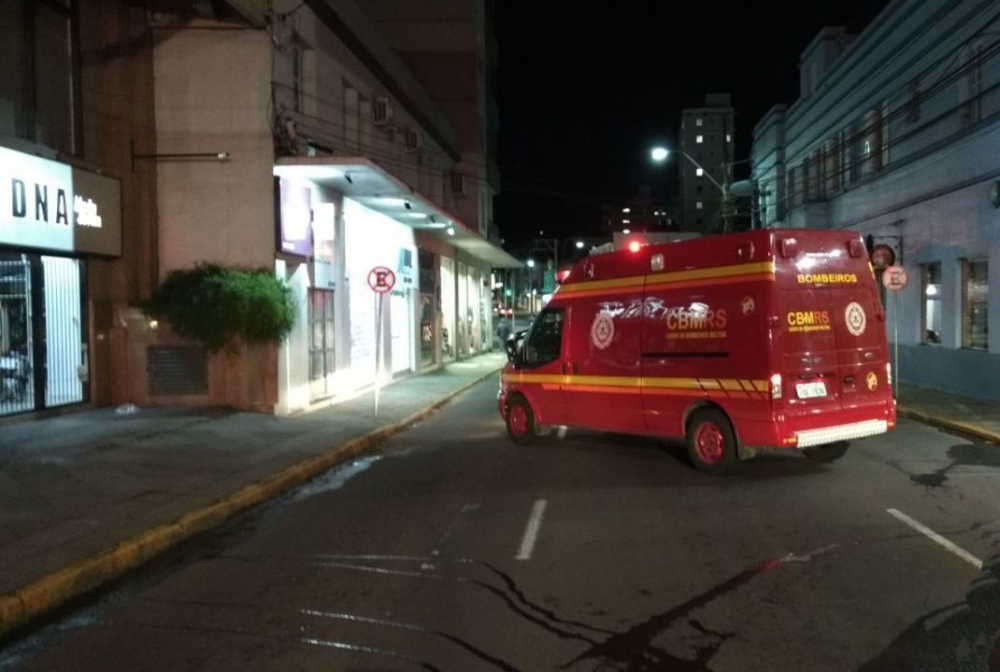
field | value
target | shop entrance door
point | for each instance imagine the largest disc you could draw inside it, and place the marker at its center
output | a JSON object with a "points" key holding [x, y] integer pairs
{"points": [[43, 351]]}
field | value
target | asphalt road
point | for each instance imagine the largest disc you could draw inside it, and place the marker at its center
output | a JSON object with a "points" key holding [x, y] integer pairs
{"points": [[456, 550]]}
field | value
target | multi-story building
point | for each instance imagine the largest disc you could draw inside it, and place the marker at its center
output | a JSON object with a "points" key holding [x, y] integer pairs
{"points": [[278, 134], [895, 134], [78, 239], [641, 212], [707, 148]]}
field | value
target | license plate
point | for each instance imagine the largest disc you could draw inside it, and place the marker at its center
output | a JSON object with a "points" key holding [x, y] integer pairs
{"points": [[811, 390]]}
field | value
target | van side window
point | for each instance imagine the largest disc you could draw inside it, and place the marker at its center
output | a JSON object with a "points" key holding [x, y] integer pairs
{"points": [[545, 341]]}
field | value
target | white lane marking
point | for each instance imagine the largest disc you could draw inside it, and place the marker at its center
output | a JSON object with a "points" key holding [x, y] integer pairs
{"points": [[531, 531], [935, 537]]}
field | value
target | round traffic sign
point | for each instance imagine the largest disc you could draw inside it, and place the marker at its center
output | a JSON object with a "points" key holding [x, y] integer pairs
{"points": [[895, 278], [381, 279]]}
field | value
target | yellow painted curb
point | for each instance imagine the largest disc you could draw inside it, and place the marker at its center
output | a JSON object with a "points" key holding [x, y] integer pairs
{"points": [[51, 591], [954, 425]]}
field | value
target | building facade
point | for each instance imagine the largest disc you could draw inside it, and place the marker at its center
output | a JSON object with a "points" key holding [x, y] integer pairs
{"points": [[77, 210], [707, 146], [331, 140], [896, 135], [283, 135]]}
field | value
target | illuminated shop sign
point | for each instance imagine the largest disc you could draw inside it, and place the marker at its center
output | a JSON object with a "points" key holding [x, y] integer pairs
{"points": [[53, 206], [294, 217]]}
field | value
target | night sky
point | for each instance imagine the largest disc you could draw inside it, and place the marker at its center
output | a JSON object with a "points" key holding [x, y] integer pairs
{"points": [[585, 93]]}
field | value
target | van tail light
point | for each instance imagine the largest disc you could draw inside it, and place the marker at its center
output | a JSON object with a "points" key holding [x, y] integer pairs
{"points": [[776, 386], [888, 373]]}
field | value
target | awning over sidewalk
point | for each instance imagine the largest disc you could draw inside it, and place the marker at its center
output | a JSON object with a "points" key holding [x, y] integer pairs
{"points": [[370, 184]]}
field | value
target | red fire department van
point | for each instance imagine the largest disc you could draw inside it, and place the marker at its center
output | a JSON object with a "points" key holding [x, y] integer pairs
{"points": [[768, 338]]}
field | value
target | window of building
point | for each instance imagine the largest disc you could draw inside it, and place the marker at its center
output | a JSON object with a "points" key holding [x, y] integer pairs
{"points": [[322, 362], [831, 160], [884, 134], [729, 137], [698, 189], [699, 172], [40, 91], [699, 139], [698, 122], [930, 275], [913, 102], [975, 298], [970, 88], [699, 205]]}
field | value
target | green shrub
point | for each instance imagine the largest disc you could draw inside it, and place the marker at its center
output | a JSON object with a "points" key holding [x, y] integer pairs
{"points": [[222, 307]]}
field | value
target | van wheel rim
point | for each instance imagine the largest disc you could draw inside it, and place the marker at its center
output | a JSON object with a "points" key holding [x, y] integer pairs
{"points": [[519, 420], [709, 443]]}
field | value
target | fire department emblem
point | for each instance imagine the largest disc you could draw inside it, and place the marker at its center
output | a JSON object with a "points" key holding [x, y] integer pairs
{"points": [[748, 305], [872, 380], [602, 331], [854, 317]]}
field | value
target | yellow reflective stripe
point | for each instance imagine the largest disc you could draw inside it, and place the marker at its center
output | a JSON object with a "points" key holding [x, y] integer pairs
{"points": [[637, 281], [717, 272], [686, 383], [532, 378], [693, 384], [617, 381], [588, 285]]}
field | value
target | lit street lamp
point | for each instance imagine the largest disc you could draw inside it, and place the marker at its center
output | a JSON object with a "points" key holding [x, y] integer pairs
{"points": [[531, 263], [579, 244]]}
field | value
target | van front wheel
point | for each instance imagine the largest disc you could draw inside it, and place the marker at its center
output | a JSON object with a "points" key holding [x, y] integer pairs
{"points": [[520, 422], [711, 441], [831, 452]]}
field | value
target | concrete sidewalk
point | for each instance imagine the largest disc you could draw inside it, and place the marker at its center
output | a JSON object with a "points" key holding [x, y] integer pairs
{"points": [[969, 415], [88, 496]]}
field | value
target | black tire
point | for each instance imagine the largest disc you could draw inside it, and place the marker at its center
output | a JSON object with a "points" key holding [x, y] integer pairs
{"points": [[831, 452], [711, 441], [520, 421]]}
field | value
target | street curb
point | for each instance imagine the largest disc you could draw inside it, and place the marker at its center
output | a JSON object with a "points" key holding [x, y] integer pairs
{"points": [[954, 425], [49, 592]]}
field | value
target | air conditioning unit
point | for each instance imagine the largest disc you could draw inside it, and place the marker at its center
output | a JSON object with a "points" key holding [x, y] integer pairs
{"points": [[382, 111], [457, 183], [414, 140]]}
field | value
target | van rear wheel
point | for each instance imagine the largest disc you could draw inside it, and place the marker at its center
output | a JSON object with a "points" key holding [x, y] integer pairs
{"points": [[520, 421], [831, 452], [711, 441]]}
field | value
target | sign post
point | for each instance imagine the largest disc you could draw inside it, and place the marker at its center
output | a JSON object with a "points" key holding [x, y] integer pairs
{"points": [[894, 278], [381, 280]]}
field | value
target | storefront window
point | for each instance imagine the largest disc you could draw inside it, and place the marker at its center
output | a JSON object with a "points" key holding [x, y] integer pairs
{"points": [[975, 298], [322, 362], [17, 393], [425, 261], [462, 337], [931, 276], [448, 303]]}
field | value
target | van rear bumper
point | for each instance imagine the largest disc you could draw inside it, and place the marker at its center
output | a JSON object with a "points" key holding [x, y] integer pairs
{"points": [[849, 432], [791, 432]]}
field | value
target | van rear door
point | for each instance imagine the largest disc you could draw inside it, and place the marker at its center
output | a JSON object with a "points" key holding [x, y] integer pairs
{"points": [[830, 333]]}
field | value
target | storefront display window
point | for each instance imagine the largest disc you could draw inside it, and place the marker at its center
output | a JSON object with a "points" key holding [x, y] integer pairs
{"points": [[428, 313], [462, 337], [43, 360], [448, 308], [322, 362]]}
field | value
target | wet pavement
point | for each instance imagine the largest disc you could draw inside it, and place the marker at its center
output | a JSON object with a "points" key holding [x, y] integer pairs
{"points": [[409, 560]]}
